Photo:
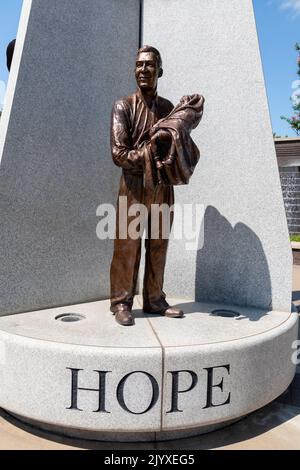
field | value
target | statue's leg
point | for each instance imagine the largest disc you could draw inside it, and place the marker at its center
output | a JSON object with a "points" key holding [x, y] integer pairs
{"points": [[156, 250], [127, 252]]}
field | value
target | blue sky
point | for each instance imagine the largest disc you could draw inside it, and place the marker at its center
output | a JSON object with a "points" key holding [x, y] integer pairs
{"points": [[9, 18], [278, 23]]}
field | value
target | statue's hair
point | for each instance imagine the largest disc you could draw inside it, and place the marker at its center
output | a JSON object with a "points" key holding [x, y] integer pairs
{"points": [[154, 51]]}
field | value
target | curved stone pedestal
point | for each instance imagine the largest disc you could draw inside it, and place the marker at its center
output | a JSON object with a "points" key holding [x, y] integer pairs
{"points": [[161, 379]]}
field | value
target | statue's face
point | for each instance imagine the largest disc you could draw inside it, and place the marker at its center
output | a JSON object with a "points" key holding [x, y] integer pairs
{"points": [[147, 71]]}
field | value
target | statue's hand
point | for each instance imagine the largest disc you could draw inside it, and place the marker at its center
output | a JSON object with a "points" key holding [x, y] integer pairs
{"points": [[163, 137], [154, 145], [170, 160], [161, 143]]}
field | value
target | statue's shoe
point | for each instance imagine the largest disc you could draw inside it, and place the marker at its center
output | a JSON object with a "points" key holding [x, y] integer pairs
{"points": [[171, 312], [123, 315]]}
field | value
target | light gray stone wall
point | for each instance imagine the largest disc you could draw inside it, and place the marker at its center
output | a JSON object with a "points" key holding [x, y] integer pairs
{"points": [[211, 47], [56, 169]]}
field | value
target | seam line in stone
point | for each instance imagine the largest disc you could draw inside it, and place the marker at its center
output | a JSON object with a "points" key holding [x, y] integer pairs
{"points": [[162, 375], [141, 29]]}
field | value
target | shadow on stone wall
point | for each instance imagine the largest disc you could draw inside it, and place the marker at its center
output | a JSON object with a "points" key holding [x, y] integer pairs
{"points": [[231, 267]]}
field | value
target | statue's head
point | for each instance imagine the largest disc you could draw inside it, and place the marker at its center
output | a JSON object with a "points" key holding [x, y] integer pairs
{"points": [[148, 68]]}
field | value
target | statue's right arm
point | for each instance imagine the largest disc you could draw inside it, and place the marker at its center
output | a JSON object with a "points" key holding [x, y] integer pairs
{"points": [[122, 150]]}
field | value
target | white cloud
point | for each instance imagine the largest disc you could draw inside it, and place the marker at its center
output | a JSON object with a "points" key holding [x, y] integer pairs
{"points": [[2, 93], [293, 5]]}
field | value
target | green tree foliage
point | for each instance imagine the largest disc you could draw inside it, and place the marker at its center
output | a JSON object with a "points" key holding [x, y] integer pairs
{"points": [[294, 121]]}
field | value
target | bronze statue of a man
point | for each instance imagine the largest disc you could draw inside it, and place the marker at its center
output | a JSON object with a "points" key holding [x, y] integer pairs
{"points": [[133, 118]]}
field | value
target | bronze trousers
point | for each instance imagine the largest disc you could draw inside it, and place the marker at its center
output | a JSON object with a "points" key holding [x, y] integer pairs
{"points": [[127, 252]]}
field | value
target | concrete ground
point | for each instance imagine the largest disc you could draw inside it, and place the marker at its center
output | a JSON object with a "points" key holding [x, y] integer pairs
{"points": [[276, 427]]}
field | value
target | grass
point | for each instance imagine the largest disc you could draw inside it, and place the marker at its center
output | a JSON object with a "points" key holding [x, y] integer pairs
{"points": [[295, 238]]}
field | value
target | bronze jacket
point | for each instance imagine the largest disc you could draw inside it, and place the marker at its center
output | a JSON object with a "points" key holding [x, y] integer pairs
{"points": [[132, 121]]}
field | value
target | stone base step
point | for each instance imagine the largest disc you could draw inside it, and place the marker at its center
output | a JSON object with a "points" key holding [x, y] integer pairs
{"points": [[74, 370]]}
